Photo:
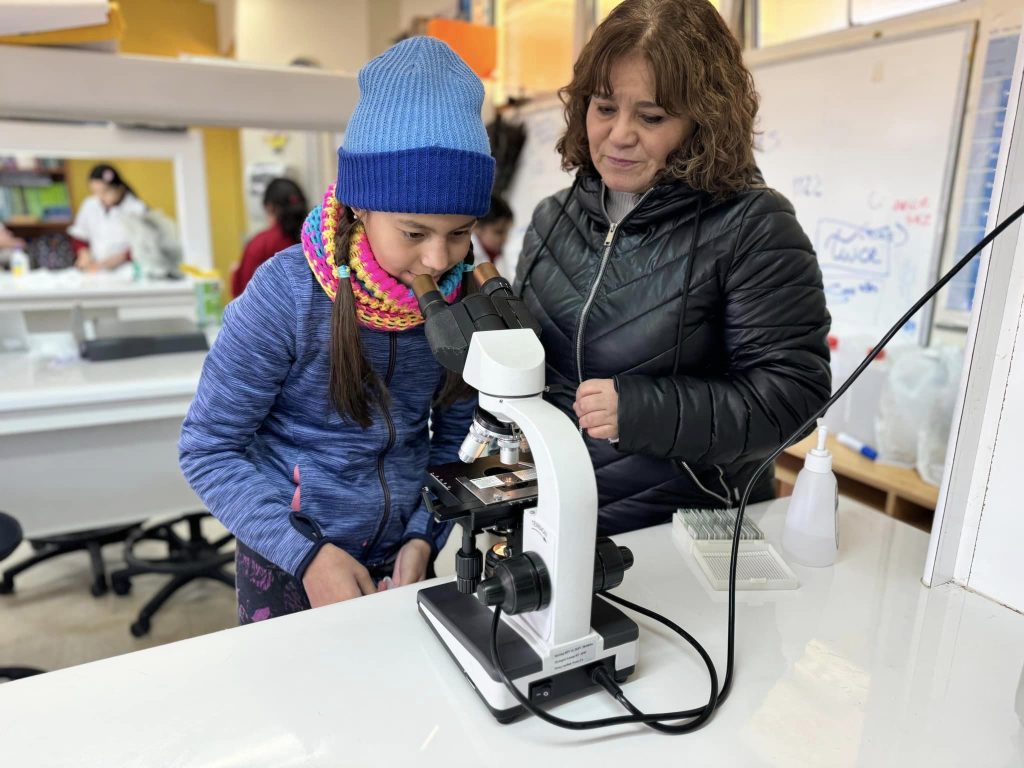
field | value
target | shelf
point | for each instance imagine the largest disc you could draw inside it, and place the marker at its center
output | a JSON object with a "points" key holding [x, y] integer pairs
{"points": [[160, 91], [899, 492], [26, 227], [23, 177]]}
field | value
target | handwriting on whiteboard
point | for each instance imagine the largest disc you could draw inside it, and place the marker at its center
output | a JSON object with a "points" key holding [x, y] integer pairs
{"points": [[851, 249], [807, 186], [916, 211], [839, 291], [767, 141]]}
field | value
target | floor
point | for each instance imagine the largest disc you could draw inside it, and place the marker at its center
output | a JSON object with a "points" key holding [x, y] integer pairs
{"points": [[52, 621]]}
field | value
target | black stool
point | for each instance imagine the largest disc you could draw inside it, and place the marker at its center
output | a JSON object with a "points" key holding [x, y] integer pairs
{"points": [[10, 539], [187, 559], [49, 547]]}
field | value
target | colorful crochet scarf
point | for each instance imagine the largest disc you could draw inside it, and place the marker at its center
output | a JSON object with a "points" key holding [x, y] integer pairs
{"points": [[382, 303]]}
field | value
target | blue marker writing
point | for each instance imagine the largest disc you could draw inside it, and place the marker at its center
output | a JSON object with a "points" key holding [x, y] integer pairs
{"points": [[854, 444]]}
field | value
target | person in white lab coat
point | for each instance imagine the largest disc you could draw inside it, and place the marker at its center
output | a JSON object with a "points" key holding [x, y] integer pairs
{"points": [[99, 233]]}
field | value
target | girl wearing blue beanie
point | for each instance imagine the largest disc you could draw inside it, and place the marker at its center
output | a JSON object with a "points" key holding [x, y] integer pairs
{"points": [[308, 437]]}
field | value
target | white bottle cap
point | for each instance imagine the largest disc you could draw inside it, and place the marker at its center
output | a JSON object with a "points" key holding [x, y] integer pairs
{"points": [[819, 459]]}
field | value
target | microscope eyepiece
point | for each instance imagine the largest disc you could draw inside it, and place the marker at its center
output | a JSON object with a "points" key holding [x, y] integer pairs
{"points": [[422, 285], [429, 296], [485, 272]]}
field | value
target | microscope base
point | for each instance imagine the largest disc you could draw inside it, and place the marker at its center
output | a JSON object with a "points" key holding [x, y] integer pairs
{"points": [[463, 624]]}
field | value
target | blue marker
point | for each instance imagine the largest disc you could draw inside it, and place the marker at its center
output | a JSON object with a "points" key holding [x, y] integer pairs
{"points": [[856, 445]]}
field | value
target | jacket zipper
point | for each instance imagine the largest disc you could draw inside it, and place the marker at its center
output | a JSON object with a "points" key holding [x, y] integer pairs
{"points": [[581, 327], [392, 359], [608, 241]]}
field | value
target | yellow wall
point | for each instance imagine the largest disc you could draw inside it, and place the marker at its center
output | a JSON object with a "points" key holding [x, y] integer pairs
{"points": [[780, 21], [224, 188], [152, 180], [168, 28], [535, 43]]}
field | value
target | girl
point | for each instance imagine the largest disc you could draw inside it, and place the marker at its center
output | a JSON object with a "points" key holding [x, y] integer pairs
{"points": [[286, 208], [99, 234], [491, 233], [308, 437]]}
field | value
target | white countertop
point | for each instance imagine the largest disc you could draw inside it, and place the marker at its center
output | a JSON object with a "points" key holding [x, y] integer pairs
{"points": [[50, 381], [861, 666], [41, 286]]}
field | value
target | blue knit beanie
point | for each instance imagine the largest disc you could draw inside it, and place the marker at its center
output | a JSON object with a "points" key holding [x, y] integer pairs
{"points": [[416, 142]]}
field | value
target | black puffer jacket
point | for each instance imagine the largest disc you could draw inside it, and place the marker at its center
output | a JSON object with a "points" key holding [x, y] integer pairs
{"points": [[753, 359]]}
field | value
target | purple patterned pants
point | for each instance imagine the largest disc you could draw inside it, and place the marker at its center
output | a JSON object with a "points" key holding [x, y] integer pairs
{"points": [[264, 590]]}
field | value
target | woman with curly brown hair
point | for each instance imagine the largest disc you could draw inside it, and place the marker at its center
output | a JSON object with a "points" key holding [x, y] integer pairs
{"points": [[680, 303]]}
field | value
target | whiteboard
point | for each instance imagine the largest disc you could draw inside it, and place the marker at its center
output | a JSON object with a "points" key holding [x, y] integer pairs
{"points": [[863, 142], [539, 173]]}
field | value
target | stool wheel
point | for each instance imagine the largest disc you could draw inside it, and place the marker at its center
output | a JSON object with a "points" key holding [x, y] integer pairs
{"points": [[140, 628], [120, 584]]}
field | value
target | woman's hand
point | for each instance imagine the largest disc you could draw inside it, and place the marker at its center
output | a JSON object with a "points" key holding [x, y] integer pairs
{"points": [[597, 407], [411, 563], [335, 576]]}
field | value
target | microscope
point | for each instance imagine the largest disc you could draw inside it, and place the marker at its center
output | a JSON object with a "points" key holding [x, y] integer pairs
{"points": [[539, 492]]}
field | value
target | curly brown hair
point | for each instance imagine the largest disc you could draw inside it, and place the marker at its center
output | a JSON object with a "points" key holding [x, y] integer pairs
{"points": [[698, 71]]}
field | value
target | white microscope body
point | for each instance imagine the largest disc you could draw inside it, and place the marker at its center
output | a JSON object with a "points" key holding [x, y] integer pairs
{"points": [[554, 648]]}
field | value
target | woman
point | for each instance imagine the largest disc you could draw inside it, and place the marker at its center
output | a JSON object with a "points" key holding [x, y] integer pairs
{"points": [[286, 208], [99, 233], [680, 303]]}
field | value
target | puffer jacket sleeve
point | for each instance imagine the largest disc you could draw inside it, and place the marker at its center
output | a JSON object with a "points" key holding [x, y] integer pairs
{"points": [[241, 379], [775, 336]]}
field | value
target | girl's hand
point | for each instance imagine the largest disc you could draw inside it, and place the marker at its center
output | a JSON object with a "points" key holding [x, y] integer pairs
{"points": [[597, 407], [411, 563], [335, 576]]}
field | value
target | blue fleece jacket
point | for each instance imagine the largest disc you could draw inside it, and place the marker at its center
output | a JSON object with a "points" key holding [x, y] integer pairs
{"points": [[263, 408]]}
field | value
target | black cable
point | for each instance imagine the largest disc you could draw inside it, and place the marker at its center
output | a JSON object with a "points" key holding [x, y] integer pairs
{"points": [[803, 429], [551, 229], [703, 714]]}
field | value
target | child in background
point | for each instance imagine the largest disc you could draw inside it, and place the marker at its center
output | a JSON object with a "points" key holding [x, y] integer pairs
{"points": [[286, 208], [308, 437], [99, 233], [491, 233]]}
